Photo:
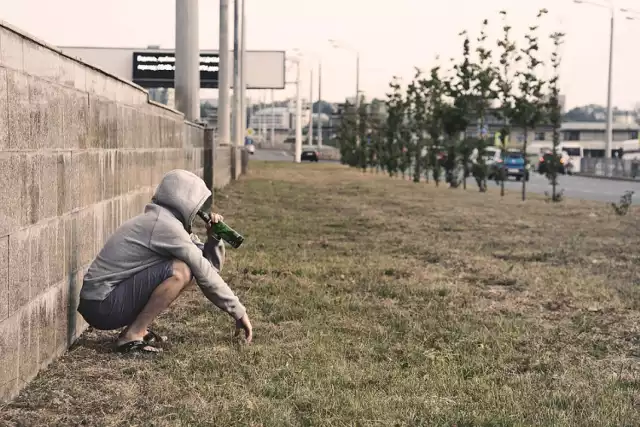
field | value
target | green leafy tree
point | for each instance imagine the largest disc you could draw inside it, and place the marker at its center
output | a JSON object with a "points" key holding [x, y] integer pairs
{"points": [[362, 136], [530, 102], [394, 122], [509, 59], [461, 89], [433, 89], [485, 94], [451, 115], [555, 114], [376, 121], [346, 136], [405, 140], [416, 117]]}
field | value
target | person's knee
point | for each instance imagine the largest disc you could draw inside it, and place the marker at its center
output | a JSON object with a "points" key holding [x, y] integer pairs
{"points": [[182, 272]]}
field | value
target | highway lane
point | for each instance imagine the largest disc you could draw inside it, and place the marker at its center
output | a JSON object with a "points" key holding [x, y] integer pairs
{"points": [[278, 156], [576, 187], [602, 190]]}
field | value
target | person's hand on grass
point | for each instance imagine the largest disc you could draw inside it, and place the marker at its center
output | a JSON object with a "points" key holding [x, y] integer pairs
{"points": [[244, 324]]}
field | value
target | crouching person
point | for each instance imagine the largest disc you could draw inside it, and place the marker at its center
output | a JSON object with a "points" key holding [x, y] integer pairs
{"points": [[148, 261]]}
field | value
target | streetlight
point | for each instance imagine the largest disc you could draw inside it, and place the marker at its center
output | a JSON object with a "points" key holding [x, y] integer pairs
{"points": [[633, 12], [298, 147], [611, 8], [319, 125], [338, 45]]}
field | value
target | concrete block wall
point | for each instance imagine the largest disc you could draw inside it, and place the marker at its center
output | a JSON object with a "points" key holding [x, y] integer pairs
{"points": [[80, 152]]}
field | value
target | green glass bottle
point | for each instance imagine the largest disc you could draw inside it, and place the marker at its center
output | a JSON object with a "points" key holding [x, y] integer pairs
{"points": [[223, 231]]}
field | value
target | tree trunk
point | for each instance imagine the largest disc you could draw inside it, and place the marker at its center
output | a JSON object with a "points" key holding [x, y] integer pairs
{"points": [[502, 178], [526, 171]]}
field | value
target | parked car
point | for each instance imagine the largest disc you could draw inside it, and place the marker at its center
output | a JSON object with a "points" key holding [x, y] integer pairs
{"points": [[565, 167], [310, 154], [512, 163]]}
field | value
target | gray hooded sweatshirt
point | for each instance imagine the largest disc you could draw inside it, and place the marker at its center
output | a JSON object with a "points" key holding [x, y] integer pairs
{"points": [[159, 234]]}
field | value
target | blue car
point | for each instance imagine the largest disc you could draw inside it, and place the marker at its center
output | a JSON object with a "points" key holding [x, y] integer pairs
{"points": [[512, 164]]}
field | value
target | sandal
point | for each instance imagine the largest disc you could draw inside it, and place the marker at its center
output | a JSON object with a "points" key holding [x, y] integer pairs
{"points": [[152, 337], [137, 346]]}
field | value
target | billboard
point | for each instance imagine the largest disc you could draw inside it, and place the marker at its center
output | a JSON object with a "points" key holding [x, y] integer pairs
{"points": [[157, 69], [154, 69]]}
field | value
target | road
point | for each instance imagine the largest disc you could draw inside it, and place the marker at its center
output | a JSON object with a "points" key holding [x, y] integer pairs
{"points": [[602, 190], [576, 187]]}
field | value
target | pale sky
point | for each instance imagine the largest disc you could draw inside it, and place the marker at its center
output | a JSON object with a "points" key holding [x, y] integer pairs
{"points": [[391, 36]]}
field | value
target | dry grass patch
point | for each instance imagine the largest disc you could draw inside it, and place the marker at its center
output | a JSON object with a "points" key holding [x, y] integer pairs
{"points": [[383, 302]]}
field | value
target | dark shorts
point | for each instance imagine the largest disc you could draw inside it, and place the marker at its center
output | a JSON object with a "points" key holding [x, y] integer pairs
{"points": [[121, 307]]}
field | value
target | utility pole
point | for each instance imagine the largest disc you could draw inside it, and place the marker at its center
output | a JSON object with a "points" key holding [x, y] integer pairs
{"points": [[187, 74], [609, 90], [609, 131], [273, 117], [243, 70], [310, 133], [298, 149], [358, 97], [236, 114], [320, 104], [224, 84]]}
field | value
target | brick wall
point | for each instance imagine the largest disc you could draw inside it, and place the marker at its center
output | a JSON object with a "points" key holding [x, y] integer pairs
{"points": [[80, 152]]}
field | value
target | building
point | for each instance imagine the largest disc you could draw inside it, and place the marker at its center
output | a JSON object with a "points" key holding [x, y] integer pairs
{"points": [[279, 118], [583, 139]]}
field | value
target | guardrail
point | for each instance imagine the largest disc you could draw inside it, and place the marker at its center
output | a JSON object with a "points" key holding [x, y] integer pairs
{"points": [[610, 168]]}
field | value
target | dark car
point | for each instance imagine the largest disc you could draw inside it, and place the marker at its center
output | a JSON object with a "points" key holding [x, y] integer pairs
{"points": [[547, 159], [309, 154]]}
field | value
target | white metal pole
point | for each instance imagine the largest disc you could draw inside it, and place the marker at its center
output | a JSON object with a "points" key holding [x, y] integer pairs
{"points": [[298, 149], [609, 90], [310, 133], [273, 117], [187, 74], [320, 104], [261, 121], [357, 79], [358, 97], [244, 105], [224, 83], [236, 114]]}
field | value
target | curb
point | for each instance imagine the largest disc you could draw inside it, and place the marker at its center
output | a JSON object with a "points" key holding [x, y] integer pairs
{"points": [[610, 178]]}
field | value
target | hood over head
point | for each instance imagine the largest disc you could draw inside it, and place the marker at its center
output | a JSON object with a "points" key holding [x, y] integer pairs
{"points": [[183, 193]]}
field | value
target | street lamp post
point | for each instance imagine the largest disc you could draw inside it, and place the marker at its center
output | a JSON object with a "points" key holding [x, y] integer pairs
{"points": [[610, 90], [609, 131], [320, 104], [298, 151], [357, 80], [243, 72], [187, 56], [236, 114], [338, 45], [310, 133], [297, 59], [224, 81]]}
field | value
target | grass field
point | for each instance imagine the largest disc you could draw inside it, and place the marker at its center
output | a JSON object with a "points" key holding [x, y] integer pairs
{"points": [[376, 301]]}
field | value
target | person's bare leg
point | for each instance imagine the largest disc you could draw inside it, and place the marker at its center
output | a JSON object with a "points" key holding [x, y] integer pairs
{"points": [[160, 300]]}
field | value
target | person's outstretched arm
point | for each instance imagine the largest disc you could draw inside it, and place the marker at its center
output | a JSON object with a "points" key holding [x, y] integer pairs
{"points": [[171, 239]]}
